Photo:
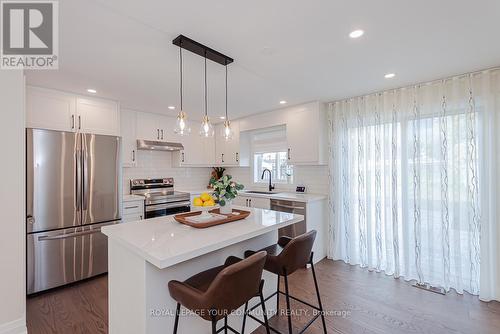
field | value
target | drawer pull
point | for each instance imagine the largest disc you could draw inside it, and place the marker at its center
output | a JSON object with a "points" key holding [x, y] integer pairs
{"points": [[132, 207]]}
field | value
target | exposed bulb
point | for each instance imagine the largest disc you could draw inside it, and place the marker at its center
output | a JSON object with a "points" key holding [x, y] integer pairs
{"points": [[182, 126], [228, 133], [206, 129]]}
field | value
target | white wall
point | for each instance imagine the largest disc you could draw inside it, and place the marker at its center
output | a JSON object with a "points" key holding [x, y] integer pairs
{"points": [[12, 228], [153, 164]]}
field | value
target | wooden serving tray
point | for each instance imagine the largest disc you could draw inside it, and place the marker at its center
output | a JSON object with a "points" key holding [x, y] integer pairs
{"points": [[181, 218]]}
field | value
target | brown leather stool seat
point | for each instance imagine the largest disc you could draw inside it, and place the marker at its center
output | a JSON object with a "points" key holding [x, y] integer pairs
{"points": [[215, 293], [283, 259]]}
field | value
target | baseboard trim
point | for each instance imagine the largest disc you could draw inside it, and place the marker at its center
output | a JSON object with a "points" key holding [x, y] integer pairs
{"points": [[14, 327]]}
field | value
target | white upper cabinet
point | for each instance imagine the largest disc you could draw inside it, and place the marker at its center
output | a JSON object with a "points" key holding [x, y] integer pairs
{"points": [[198, 151], [155, 127], [306, 128], [55, 110], [48, 109], [227, 153], [128, 122], [98, 116]]}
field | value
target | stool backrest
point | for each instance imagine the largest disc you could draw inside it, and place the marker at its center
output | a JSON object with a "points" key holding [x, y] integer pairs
{"points": [[236, 284], [297, 253]]}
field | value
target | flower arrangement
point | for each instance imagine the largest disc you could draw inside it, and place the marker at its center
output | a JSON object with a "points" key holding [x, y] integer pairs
{"points": [[217, 173], [224, 189]]}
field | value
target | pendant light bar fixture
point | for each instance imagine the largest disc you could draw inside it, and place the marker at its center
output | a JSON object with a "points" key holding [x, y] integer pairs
{"points": [[202, 50], [206, 52]]}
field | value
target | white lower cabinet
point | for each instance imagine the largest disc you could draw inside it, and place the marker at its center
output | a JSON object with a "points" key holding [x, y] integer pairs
{"points": [[133, 210], [252, 202]]}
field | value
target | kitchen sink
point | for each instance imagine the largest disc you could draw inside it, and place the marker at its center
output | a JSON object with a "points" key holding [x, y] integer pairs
{"points": [[260, 192]]}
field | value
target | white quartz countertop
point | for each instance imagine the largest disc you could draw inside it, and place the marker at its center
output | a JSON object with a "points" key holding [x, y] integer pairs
{"points": [[130, 198], [164, 242], [287, 196]]}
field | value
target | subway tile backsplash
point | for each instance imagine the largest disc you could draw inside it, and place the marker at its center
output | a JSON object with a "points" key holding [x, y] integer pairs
{"points": [[152, 164]]}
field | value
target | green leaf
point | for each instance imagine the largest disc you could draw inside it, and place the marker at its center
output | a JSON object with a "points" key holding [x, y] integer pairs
{"points": [[222, 202]]}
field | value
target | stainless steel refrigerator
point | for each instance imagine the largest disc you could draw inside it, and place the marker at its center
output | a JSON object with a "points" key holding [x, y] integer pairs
{"points": [[73, 189]]}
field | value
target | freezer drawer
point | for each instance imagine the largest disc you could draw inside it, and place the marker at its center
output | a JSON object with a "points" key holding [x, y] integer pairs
{"points": [[60, 257]]}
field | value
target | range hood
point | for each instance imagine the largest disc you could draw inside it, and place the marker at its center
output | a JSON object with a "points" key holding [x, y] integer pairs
{"points": [[158, 145]]}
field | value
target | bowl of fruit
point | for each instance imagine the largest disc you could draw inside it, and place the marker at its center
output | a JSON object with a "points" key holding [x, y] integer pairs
{"points": [[204, 203]]}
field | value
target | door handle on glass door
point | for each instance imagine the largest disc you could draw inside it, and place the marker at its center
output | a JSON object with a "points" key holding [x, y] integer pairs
{"points": [[289, 155]]}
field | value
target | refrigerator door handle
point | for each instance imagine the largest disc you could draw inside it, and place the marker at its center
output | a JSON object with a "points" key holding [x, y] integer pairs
{"points": [[85, 174], [69, 235], [78, 179]]}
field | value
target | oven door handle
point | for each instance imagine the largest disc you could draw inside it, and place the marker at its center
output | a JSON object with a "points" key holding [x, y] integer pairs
{"points": [[163, 206]]}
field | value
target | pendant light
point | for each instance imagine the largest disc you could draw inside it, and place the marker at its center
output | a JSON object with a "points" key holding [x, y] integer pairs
{"points": [[181, 125], [206, 129], [227, 132]]}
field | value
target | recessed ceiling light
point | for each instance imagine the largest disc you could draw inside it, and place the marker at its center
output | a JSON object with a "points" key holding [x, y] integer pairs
{"points": [[222, 117], [282, 102], [91, 91], [389, 75], [171, 107], [356, 33]]}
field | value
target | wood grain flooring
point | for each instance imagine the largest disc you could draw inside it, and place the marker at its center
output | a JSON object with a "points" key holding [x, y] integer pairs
{"points": [[356, 302]]}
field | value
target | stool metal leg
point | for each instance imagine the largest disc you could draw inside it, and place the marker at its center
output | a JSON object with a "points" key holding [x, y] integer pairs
{"points": [[278, 297], [318, 295], [244, 318], [288, 310], [225, 324], [214, 322], [176, 323], [263, 303]]}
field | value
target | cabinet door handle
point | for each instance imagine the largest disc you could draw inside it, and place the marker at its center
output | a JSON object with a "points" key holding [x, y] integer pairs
{"points": [[158, 134], [72, 121], [237, 157], [289, 155], [161, 134], [182, 156], [79, 122], [250, 200], [133, 155], [247, 202], [222, 157], [132, 207]]}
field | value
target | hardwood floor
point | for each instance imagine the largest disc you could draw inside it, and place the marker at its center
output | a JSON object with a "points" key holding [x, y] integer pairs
{"points": [[356, 302]]}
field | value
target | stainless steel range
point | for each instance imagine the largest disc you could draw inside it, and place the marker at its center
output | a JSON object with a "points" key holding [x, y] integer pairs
{"points": [[160, 197]]}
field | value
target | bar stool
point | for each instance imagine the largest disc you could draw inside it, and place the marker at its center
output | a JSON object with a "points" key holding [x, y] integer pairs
{"points": [[283, 259], [215, 293]]}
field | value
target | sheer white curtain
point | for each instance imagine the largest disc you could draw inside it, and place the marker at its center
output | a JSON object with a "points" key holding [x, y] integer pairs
{"points": [[413, 182]]}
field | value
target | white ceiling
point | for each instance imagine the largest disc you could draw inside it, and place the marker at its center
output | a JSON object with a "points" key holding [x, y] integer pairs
{"points": [[292, 50]]}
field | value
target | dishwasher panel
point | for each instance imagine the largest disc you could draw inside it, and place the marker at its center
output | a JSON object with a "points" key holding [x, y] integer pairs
{"points": [[291, 207]]}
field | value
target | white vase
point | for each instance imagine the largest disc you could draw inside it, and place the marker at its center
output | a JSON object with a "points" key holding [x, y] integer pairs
{"points": [[228, 208]]}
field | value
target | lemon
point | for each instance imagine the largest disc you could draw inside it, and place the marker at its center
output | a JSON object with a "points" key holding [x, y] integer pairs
{"points": [[209, 203], [198, 201], [205, 197]]}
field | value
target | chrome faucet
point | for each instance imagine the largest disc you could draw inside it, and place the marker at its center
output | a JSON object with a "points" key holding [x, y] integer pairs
{"points": [[271, 187]]}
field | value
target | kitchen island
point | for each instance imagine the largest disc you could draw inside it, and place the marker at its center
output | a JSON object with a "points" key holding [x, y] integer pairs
{"points": [[144, 256]]}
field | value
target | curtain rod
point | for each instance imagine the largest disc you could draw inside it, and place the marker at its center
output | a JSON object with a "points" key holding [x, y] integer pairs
{"points": [[456, 76]]}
